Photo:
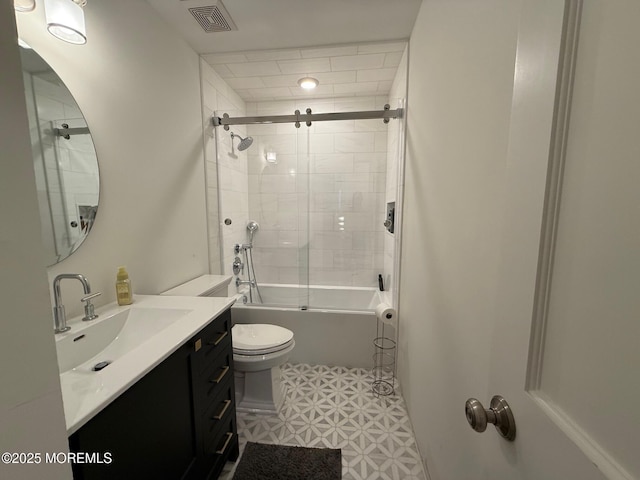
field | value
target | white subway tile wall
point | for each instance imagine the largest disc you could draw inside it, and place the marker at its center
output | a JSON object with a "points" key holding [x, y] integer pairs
{"points": [[226, 172], [394, 173]]}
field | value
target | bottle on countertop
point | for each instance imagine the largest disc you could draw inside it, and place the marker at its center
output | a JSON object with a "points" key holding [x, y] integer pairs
{"points": [[124, 294]]}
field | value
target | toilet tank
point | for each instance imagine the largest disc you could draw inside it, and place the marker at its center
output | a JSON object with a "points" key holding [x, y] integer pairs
{"points": [[203, 286]]}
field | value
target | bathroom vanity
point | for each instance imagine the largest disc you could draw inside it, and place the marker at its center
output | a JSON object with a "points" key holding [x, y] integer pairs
{"points": [[164, 415]]}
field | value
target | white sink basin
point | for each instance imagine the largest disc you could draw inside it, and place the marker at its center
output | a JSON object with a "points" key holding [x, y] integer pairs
{"points": [[134, 339], [110, 337]]}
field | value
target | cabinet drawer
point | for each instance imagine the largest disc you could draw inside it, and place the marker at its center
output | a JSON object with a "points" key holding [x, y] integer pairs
{"points": [[211, 381], [224, 441], [211, 340], [218, 412]]}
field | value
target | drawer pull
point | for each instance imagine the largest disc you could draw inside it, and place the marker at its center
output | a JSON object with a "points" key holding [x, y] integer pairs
{"points": [[223, 411], [221, 376], [219, 339], [226, 443]]}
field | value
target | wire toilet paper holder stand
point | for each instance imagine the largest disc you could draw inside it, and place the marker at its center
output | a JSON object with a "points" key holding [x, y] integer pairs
{"points": [[384, 359]]}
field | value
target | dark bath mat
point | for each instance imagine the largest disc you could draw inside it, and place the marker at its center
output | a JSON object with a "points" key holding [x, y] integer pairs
{"points": [[281, 462]]}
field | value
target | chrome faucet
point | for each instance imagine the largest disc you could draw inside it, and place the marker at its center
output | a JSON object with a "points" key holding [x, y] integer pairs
{"points": [[59, 314]]}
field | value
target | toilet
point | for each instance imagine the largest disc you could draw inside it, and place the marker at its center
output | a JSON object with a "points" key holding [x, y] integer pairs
{"points": [[259, 350]]}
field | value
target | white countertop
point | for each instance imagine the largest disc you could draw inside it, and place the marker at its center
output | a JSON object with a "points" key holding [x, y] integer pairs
{"points": [[85, 394], [200, 285]]}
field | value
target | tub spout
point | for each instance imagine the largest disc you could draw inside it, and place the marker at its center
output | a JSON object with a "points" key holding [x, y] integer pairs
{"points": [[251, 283]]}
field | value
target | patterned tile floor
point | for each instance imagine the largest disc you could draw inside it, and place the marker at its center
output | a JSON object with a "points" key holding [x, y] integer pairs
{"points": [[334, 407]]}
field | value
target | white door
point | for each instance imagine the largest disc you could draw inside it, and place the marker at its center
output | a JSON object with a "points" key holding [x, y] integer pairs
{"points": [[566, 345]]}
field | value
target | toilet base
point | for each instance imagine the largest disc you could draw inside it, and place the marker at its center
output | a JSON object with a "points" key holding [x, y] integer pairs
{"points": [[259, 392]]}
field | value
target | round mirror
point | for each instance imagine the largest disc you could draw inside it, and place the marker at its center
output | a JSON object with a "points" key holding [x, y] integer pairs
{"points": [[64, 158]]}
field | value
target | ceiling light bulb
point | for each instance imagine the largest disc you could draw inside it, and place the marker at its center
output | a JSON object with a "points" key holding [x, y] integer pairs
{"points": [[65, 20], [24, 5], [308, 83]]}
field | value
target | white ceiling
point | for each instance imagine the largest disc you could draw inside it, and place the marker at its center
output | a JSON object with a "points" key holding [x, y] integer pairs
{"points": [[274, 24], [352, 47]]}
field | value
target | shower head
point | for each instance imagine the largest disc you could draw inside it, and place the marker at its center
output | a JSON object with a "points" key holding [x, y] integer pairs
{"points": [[244, 142]]}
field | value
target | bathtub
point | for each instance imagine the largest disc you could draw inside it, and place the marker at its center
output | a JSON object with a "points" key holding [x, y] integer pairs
{"points": [[331, 325]]}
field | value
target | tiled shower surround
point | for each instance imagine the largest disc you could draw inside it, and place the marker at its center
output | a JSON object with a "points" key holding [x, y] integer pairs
{"points": [[226, 172], [322, 205]]}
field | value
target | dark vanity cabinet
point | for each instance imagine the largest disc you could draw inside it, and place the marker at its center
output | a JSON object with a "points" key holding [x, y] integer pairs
{"points": [[177, 422], [214, 404]]}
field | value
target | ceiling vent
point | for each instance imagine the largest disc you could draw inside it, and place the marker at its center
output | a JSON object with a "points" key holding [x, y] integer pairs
{"points": [[213, 18]]}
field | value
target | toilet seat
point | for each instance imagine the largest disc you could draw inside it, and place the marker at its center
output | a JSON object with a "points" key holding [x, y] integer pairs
{"points": [[260, 339]]}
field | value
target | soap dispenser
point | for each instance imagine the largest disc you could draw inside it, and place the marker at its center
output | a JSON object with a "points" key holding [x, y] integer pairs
{"points": [[123, 287]]}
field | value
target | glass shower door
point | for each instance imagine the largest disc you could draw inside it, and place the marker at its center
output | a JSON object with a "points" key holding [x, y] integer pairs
{"points": [[303, 140], [277, 200], [346, 209]]}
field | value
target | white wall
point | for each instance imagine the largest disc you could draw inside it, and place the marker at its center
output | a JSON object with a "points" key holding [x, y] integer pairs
{"points": [[31, 414], [138, 86], [460, 83]]}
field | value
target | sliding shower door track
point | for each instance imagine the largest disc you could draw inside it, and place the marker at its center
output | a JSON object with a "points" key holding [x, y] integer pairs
{"points": [[308, 117]]}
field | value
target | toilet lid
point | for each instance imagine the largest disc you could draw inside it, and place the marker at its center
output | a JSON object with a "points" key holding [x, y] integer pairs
{"points": [[259, 338]]}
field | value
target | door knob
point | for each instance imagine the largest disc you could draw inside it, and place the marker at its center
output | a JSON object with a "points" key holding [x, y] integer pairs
{"points": [[499, 413]]}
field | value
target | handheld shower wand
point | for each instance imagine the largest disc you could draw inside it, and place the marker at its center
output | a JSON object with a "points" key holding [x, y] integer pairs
{"points": [[252, 227]]}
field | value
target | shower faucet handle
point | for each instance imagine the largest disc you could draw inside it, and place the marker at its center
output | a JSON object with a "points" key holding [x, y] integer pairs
{"points": [[238, 266]]}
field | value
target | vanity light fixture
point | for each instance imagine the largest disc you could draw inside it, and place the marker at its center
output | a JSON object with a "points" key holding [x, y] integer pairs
{"points": [[308, 83], [24, 5], [65, 20]]}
